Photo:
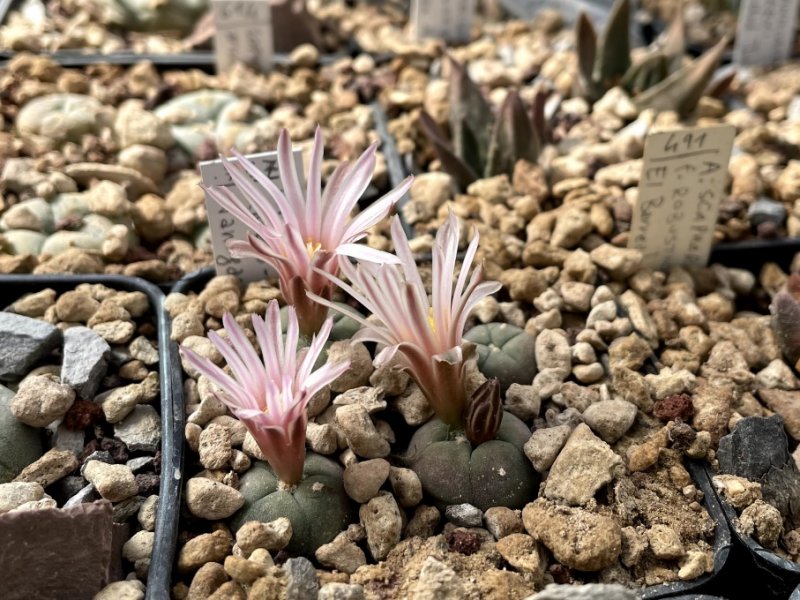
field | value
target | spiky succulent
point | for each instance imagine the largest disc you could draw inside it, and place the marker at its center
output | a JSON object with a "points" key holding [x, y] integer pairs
{"points": [[660, 79], [482, 144]]}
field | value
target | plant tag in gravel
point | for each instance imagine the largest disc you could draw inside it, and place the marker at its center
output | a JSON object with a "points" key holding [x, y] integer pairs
{"points": [[682, 183], [224, 226], [243, 33], [449, 20], [765, 33]]}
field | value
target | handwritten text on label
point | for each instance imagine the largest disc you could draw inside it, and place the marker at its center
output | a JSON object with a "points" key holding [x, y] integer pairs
{"points": [[681, 186], [243, 33], [225, 227], [448, 20], [765, 33]]}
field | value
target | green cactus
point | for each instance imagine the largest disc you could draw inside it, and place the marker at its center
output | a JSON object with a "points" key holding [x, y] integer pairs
{"points": [[204, 116], [318, 507], [344, 327], [659, 80], [505, 352], [20, 445], [785, 309], [482, 145], [454, 471]]}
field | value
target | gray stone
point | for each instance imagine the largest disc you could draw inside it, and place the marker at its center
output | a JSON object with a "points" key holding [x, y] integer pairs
{"points": [[765, 210], [610, 419], [756, 445], [589, 591], [758, 449], [464, 515], [66, 439], [85, 360], [70, 485], [141, 429], [301, 579], [140, 463], [85, 495], [23, 341], [126, 509]]}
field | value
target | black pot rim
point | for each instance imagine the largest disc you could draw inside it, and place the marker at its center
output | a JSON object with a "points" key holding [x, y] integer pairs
{"points": [[172, 415]]}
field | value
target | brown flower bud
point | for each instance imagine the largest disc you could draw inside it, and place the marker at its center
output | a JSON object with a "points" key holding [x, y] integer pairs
{"points": [[484, 413]]}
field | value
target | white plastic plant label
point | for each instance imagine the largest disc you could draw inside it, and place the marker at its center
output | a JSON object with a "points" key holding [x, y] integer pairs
{"points": [[682, 183], [224, 226], [243, 33], [448, 20], [765, 33]]}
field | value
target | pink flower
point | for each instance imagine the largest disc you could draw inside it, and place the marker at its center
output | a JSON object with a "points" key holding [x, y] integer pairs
{"points": [[425, 333], [302, 236], [269, 394]]}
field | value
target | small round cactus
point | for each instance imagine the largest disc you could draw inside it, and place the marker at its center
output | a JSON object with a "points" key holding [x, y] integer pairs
{"points": [[505, 352], [453, 471], [20, 445], [317, 507]]}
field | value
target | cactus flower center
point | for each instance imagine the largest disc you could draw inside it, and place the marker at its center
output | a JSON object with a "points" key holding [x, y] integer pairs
{"points": [[312, 247], [431, 322]]}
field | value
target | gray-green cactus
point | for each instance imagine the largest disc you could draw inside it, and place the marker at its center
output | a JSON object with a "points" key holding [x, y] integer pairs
{"points": [[482, 144], [659, 80], [344, 327], [505, 352], [204, 116], [318, 507], [453, 471], [20, 445]]}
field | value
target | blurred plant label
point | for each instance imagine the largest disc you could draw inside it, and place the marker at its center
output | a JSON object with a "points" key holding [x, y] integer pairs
{"points": [[243, 33], [448, 20], [765, 33], [682, 183], [225, 227]]}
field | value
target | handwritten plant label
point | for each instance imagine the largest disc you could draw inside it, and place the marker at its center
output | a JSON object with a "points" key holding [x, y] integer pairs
{"points": [[224, 226], [765, 33], [243, 33], [448, 20], [682, 183]]}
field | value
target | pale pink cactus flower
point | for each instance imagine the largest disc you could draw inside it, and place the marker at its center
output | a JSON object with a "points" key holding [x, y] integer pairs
{"points": [[270, 394], [426, 334], [302, 235]]}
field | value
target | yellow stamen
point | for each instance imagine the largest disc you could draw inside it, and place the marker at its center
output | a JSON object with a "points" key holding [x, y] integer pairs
{"points": [[431, 322], [312, 247]]}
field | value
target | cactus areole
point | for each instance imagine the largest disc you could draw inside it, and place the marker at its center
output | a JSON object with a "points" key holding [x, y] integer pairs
{"points": [[454, 471]]}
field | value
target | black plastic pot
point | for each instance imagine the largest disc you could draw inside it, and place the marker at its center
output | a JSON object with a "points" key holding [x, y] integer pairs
{"points": [[194, 282], [200, 59], [776, 577], [722, 543], [753, 254], [171, 408]]}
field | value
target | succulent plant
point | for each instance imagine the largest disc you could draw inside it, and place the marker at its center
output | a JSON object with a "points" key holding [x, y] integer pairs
{"points": [[659, 80], [489, 472], [424, 333], [505, 352], [785, 309], [482, 144], [317, 507], [20, 445], [303, 233], [269, 393]]}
